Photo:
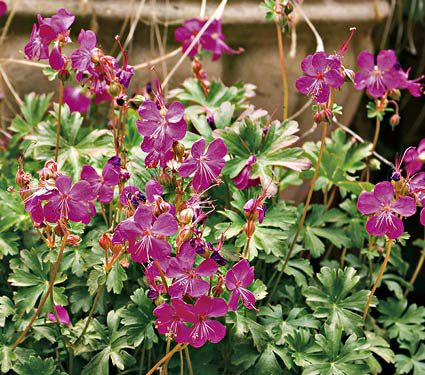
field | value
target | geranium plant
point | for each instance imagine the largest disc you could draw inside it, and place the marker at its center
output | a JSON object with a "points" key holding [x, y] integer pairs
{"points": [[160, 242]]}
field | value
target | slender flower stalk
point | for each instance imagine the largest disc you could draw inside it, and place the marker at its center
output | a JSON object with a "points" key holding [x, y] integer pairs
{"points": [[416, 273], [374, 143], [378, 279], [91, 313], [189, 362], [58, 126], [283, 71], [46, 296], [166, 358], [306, 206]]}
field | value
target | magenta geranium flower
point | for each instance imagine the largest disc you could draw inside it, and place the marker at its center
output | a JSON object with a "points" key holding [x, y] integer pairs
{"points": [[47, 31], [161, 127], [414, 86], [205, 329], [76, 100], [81, 58], [238, 278], [146, 234], [384, 211], [206, 165], [33, 203], [103, 186], [255, 207], [170, 320], [187, 32], [377, 78], [69, 201], [3, 8], [155, 157], [213, 41], [422, 217], [62, 314], [321, 74], [188, 280], [242, 180]]}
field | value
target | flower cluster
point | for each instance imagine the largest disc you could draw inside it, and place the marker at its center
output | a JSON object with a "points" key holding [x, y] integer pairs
{"points": [[390, 202], [211, 40], [193, 276], [56, 199], [384, 75], [100, 72]]}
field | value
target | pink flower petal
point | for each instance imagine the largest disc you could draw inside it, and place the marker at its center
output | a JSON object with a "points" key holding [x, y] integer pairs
{"points": [[384, 192], [405, 206], [368, 204]]}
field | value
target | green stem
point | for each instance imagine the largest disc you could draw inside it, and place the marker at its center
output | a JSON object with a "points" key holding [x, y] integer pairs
{"points": [[283, 70], [58, 125], [189, 362], [91, 313], [306, 206], [378, 279], [46, 296], [416, 273]]}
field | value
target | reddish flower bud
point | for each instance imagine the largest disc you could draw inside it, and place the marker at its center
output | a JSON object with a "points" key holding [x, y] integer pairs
{"points": [[178, 149], [249, 228], [395, 94], [184, 235], [63, 75], [164, 179], [394, 119], [115, 89], [73, 240], [186, 216], [105, 241]]}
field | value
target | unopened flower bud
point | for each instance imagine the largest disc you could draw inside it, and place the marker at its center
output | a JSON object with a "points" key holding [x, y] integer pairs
{"points": [[22, 178], [125, 263], [138, 100], [105, 241], [63, 75], [178, 149], [73, 240], [186, 216], [49, 170], [164, 179], [249, 228], [324, 115], [115, 89], [161, 206], [60, 229], [184, 235], [395, 94], [395, 119], [96, 55]]}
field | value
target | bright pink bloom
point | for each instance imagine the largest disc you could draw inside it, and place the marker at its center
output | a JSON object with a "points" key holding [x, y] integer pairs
{"points": [[384, 211], [188, 280], [146, 234], [103, 186], [321, 74], [380, 78], [255, 206], [242, 180], [3, 8], [76, 100], [205, 329], [62, 314], [238, 278], [171, 321], [161, 127], [211, 40], [81, 58], [33, 204], [69, 201], [49, 30], [206, 165]]}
